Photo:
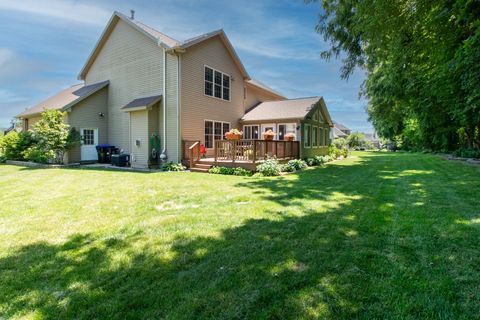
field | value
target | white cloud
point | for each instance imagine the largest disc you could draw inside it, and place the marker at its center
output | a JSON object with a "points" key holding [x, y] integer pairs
{"points": [[63, 10]]}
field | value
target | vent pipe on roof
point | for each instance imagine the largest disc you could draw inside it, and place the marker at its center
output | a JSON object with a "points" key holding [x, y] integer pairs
{"points": [[132, 14]]}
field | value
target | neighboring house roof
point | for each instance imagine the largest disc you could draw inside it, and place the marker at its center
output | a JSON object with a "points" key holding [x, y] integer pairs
{"points": [[371, 137], [286, 109], [65, 98], [263, 86], [162, 40], [142, 103], [337, 133], [340, 126]]}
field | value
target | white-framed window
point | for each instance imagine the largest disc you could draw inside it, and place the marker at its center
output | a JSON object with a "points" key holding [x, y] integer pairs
{"points": [[88, 137], [217, 84], [251, 132], [314, 137], [284, 128], [307, 134], [214, 131]]}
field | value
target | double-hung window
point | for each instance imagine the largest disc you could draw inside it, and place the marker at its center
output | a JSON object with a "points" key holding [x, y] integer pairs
{"points": [[214, 131], [217, 84], [250, 132]]}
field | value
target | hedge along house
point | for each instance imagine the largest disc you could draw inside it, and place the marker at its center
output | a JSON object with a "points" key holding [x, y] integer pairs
{"points": [[139, 83]]}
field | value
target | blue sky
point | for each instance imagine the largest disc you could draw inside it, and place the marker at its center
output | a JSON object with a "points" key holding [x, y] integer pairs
{"points": [[43, 45]]}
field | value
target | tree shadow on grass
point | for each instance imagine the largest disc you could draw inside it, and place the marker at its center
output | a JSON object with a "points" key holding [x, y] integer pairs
{"points": [[349, 260]]}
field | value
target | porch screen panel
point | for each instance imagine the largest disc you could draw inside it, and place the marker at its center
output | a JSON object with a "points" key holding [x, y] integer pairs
{"points": [[314, 137], [282, 130]]}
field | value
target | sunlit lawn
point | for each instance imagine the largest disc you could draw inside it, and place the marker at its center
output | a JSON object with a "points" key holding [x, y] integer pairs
{"points": [[380, 235]]}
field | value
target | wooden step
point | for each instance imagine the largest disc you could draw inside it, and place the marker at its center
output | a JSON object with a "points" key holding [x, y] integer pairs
{"points": [[197, 169], [202, 165]]}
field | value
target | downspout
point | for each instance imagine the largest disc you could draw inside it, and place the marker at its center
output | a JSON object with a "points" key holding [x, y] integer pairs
{"points": [[179, 72], [163, 156]]}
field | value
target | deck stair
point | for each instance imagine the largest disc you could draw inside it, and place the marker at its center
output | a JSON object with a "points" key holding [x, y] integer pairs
{"points": [[200, 167]]}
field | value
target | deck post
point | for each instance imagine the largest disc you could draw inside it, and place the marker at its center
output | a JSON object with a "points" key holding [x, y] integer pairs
{"points": [[234, 149], [215, 151], [254, 151]]}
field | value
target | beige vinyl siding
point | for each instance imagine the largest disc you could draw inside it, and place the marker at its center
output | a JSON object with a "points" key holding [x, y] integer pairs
{"points": [[133, 64], [172, 140], [256, 95], [32, 121], [153, 125], [85, 114], [195, 105], [139, 130]]}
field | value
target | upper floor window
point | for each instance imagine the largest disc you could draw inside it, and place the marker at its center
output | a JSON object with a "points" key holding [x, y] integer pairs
{"points": [[217, 84]]}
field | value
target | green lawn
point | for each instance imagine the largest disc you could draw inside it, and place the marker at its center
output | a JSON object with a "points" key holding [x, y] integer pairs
{"points": [[379, 235]]}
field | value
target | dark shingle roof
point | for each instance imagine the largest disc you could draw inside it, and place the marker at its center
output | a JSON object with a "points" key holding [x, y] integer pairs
{"points": [[65, 98], [283, 109], [143, 102]]}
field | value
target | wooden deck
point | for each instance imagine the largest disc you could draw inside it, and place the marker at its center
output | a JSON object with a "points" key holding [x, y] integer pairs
{"points": [[240, 153]]}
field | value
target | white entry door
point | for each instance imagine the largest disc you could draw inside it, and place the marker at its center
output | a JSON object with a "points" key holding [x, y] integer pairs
{"points": [[88, 152]]}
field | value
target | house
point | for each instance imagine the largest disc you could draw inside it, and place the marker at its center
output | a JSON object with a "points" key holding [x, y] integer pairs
{"points": [[340, 131], [140, 85]]}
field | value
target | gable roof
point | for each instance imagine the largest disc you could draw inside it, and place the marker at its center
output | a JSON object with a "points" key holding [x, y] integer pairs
{"points": [[340, 126], [258, 84], [161, 39], [65, 99], [298, 108], [337, 133]]}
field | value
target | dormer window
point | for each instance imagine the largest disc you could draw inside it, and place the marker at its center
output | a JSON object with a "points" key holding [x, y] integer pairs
{"points": [[217, 84]]}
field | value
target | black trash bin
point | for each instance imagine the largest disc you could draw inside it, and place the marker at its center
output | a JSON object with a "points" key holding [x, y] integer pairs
{"points": [[121, 160], [104, 152]]}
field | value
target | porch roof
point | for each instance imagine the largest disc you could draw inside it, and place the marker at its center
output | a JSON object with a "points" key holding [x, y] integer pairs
{"points": [[142, 103], [284, 109]]}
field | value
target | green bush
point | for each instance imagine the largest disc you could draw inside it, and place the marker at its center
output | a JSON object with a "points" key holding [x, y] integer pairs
{"points": [[334, 152], [344, 152], [287, 168], [14, 144], [171, 166], [269, 167], [340, 143], [39, 156], [467, 153], [230, 171], [297, 164]]}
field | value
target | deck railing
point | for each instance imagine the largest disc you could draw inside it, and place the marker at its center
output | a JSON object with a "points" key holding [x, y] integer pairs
{"points": [[254, 150], [191, 151]]}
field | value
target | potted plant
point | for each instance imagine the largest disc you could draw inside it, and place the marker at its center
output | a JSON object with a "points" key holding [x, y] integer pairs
{"points": [[289, 137], [233, 134], [268, 135]]}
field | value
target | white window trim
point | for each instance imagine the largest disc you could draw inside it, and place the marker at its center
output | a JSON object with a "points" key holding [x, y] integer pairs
{"points": [[305, 135], [213, 134], [213, 84]]}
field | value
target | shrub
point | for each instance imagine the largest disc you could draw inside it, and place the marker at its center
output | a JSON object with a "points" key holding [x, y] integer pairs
{"points": [[52, 137], [334, 152], [340, 143], [467, 153], [171, 166], [14, 144], [297, 164], [230, 171], [269, 167], [344, 152], [287, 168]]}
